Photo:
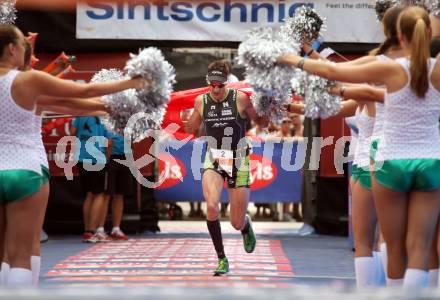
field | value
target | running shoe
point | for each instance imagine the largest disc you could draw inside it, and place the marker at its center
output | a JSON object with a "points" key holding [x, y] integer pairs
{"points": [[118, 235], [102, 237], [249, 238], [90, 238], [306, 230], [87, 236], [223, 266], [43, 236]]}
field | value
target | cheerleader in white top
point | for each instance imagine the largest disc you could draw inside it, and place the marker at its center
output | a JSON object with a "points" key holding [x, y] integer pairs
{"points": [[20, 167], [58, 105], [407, 196], [63, 105], [368, 265]]}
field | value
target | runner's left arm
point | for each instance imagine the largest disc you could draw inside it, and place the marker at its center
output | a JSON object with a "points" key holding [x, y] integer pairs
{"points": [[249, 110]]}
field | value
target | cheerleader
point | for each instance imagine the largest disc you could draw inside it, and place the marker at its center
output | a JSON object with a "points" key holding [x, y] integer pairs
{"points": [[407, 196], [20, 163]]}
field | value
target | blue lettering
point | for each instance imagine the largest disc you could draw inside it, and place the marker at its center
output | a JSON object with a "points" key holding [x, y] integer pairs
{"points": [[282, 12], [108, 11], [229, 7], [134, 4], [202, 17], [205, 11], [257, 7], [187, 13], [160, 11], [120, 11]]}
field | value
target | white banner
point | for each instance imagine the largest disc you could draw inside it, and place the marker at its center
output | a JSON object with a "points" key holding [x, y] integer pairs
{"points": [[213, 20]]}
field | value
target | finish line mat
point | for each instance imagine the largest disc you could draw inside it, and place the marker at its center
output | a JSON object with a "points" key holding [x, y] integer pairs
{"points": [[184, 262]]}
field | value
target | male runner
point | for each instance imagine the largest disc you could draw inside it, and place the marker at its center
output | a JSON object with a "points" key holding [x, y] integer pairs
{"points": [[225, 113]]}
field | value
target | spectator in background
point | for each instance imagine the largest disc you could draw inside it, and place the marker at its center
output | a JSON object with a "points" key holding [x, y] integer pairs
{"points": [[297, 125], [93, 182], [119, 185], [258, 133], [297, 132], [195, 207], [285, 133]]}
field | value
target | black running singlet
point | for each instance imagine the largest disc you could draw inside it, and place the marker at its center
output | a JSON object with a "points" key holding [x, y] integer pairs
{"points": [[223, 122]]}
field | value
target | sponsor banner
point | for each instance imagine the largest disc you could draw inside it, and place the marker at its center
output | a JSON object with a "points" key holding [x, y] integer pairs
{"points": [[215, 20], [182, 168]]}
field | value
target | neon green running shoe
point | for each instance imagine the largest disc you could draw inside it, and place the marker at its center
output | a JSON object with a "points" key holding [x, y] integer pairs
{"points": [[249, 238], [223, 266]]}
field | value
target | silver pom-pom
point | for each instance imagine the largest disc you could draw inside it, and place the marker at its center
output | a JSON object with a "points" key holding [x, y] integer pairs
{"points": [[268, 106], [299, 83], [106, 75], [144, 124], [7, 12], [275, 82], [319, 103], [433, 6], [151, 65], [319, 100], [122, 106], [262, 46], [420, 3], [304, 27], [381, 7], [271, 82]]}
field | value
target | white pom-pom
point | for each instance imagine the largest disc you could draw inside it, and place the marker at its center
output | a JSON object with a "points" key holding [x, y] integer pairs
{"points": [[381, 7], [433, 6], [7, 12], [151, 65], [304, 27], [319, 103], [262, 46], [122, 106], [271, 82]]}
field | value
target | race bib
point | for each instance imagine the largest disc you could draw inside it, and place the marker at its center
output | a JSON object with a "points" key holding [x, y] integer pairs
{"points": [[225, 159]]}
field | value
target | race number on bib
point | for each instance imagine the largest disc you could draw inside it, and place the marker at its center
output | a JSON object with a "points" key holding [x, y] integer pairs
{"points": [[225, 159]]}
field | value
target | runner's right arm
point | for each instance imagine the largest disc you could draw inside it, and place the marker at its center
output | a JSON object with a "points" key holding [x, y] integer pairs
{"points": [[195, 120]]}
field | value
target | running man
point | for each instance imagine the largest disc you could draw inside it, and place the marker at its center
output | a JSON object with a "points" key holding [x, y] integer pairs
{"points": [[225, 113]]}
